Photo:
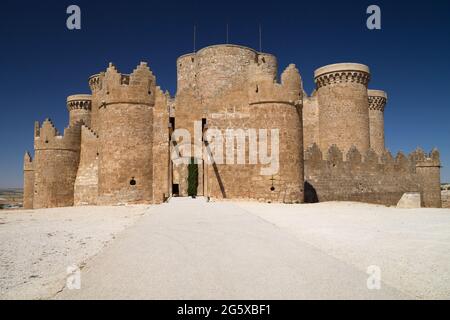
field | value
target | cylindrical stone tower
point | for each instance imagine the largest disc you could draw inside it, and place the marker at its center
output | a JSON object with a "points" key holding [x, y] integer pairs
{"points": [[186, 73], [377, 103], [221, 69], [268, 63], [55, 165], [79, 107], [344, 106], [125, 122], [276, 107]]}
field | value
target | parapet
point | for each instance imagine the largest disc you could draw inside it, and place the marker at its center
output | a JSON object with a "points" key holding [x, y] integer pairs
{"points": [[79, 101], [264, 89], [114, 87], [428, 160], [48, 138], [370, 160], [95, 82], [342, 73], [377, 100], [28, 164]]}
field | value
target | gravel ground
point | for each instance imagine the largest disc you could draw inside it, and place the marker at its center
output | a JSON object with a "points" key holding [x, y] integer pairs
{"points": [[233, 250], [411, 246], [37, 246]]}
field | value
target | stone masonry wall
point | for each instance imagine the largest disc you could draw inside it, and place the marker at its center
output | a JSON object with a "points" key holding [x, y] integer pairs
{"points": [[86, 183], [28, 181], [125, 136], [370, 178], [55, 166], [344, 106], [160, 147], [310, 119]]}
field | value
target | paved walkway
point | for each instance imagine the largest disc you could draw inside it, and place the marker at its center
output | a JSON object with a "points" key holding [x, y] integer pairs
{"points": [[190, 249]]}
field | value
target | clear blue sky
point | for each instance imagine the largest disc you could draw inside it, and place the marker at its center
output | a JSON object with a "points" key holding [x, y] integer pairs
{"points": [[42, 62]]}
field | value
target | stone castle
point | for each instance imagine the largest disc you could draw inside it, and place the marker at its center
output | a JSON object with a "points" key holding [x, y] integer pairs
{"points": [[117, 147]]}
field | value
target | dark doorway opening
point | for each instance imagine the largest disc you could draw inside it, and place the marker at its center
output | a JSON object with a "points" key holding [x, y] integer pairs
{"points": [[175, 190]]}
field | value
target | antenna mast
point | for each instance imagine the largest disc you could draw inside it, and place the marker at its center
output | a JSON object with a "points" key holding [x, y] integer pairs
{"points": [[260, 38], [227, 33], [195, 31]]}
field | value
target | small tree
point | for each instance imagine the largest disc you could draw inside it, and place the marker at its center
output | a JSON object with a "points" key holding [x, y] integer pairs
{"points": [[192, 178]]}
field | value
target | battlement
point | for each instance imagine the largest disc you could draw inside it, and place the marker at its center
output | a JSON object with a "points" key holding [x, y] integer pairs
{"points": [[28, 164], [114, 87], [79, 101], [342, 73], [86, 131], [264, 89], [95, 82], [377, 100], [424, 160], [48, 138], [370, 160]]}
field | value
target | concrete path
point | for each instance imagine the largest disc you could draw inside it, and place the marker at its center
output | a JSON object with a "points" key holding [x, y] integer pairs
{"points": [[190, 249]]}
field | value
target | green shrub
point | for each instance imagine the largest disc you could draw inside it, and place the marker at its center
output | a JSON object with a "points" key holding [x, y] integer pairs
{"points": [[192, 178]]}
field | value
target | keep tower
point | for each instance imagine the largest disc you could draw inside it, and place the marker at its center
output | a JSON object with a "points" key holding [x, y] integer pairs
{"points": [[125, 128]]}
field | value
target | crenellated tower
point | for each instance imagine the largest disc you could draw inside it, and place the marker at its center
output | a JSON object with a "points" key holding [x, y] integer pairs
{"points": [[343, 106], [278, 106], [428, 169], [377, 103], [125, 128], [79, 107], [55, 165]]}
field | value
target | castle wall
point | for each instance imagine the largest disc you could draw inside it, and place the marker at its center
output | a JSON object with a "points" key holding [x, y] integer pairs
{"points": [[270, 106], [161, 159], [429, 175], [344, 106], [334, 176], [117, 147], [445, 195], [377, 103], [95, 83], [86, 183], [28, 181], [126, 137], [310, 120], [55, 164]]}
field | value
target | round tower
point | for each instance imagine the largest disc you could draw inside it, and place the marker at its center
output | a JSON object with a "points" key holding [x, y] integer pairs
{"points": [[125, 129], [186, 73], [377, 103], [344, 106], [55, 165], [269, 64], [277, 108], [221, 69], [79, 107]]}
